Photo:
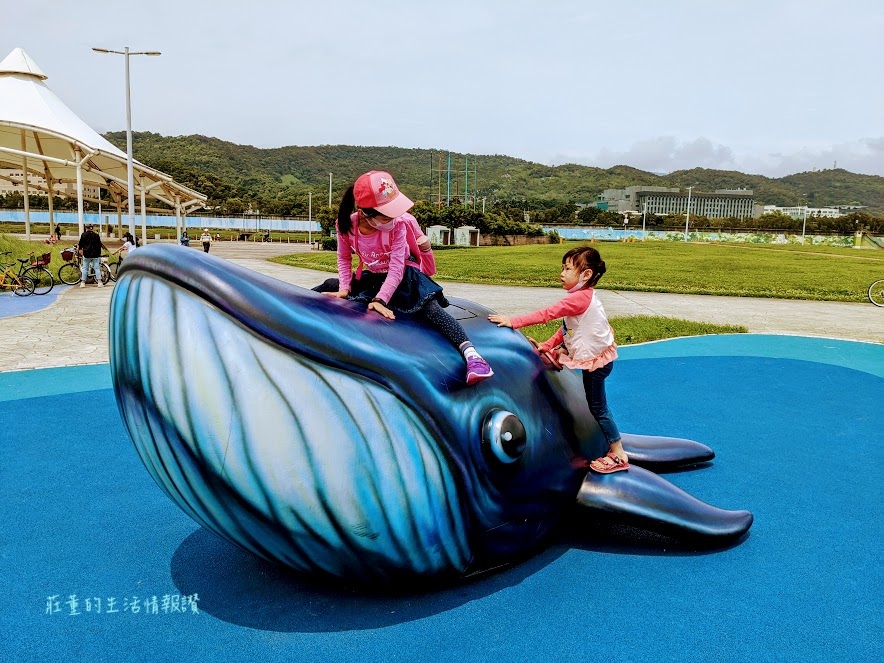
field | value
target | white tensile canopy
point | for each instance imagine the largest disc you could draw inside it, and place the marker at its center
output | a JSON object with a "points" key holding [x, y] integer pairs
{"points": [[41, 136]]}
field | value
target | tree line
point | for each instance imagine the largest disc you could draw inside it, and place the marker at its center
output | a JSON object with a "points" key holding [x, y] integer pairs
{"points": [[521, 218]]}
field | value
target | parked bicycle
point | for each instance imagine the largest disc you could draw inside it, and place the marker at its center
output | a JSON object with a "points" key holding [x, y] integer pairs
{"points": [[876, 293], [35, 269], [20, 285], [71, 271], [112, 265]]}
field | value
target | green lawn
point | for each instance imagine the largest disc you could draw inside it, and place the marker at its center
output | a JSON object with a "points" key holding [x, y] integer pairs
{"points": [[782, 272], [643, 328]]}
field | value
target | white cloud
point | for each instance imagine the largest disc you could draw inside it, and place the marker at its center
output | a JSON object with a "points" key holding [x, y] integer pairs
{"points": [[665, 154], [862, 156]]}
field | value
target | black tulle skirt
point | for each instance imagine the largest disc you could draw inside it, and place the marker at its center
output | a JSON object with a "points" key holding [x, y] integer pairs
{"points": [[414, 292]]}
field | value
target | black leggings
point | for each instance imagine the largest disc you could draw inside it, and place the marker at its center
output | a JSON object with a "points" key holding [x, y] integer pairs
{"points": [[442, 320], [434, 314]]}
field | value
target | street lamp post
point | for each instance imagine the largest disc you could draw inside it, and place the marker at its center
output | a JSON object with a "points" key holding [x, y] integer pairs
{"points": [[687, 218], [804, 224], [130, 171]]}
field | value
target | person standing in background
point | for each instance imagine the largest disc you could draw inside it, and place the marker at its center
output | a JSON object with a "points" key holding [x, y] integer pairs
{"points": [[90, 246], [206, 239]]}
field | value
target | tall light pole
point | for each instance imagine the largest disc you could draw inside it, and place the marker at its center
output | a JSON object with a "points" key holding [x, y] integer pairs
{"points": [[804, 225], [130, 171], [687, 218]]}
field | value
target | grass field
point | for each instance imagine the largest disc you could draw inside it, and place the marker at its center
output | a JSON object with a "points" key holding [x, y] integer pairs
{"points": [[643, 328], [18, 248], [787, 272], [782, 272]]}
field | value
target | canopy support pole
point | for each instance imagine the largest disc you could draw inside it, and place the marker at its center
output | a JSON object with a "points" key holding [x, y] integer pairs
{"points": [[24, 165], [80, 223], [51, 195], [143, 213], [177, 217]]}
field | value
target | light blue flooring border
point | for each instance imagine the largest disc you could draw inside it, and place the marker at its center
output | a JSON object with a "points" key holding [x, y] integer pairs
{"points": [[865, 357], [860, 356], [57, 381]]}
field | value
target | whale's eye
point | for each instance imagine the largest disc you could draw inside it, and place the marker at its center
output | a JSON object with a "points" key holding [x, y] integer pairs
{"points": [[504, 436]]}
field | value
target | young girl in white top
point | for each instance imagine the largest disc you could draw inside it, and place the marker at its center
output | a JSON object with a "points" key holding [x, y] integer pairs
{"points": [[585, 341], [128, 246]]}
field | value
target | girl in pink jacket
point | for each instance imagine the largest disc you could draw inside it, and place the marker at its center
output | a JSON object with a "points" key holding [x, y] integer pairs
{"points": [[585, 341], [387, 279]]}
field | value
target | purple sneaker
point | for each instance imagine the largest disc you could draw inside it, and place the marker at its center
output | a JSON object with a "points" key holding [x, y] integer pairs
{"points": [[477, 370]]}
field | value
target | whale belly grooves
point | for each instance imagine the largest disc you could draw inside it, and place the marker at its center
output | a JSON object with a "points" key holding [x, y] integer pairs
{"points": [[284, 457]]}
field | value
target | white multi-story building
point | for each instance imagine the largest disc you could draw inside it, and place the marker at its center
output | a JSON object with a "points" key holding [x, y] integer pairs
{"points": [[724, 203], [11, 180], [803, 212]]}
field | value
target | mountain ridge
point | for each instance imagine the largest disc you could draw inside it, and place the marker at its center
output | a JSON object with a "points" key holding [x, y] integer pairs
{"points": [[225, 170]]}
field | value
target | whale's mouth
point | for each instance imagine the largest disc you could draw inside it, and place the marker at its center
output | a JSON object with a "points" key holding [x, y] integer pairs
{"points": [[243, 408]]}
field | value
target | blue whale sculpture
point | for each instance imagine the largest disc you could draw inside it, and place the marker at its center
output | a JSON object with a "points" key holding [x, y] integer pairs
{"points": [[318, 435]]}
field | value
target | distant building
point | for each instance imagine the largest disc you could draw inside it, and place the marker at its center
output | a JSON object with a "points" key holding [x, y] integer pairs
{"points": [[724, 203], [11, 180], [802, 212]]}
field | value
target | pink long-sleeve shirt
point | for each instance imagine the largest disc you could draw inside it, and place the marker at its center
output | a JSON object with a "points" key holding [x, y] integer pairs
{"points": [[589, 339], [380, 252]]}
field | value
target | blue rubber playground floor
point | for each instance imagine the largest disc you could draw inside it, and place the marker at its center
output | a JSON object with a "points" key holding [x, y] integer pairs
{"points": [[11, 304], [797, 427]]}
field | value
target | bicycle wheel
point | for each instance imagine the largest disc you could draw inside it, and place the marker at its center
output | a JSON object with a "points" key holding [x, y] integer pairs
{"points": [[24, 286], [69, 273], [105, 273], [114, 267], [876, 293], [42, 278]]}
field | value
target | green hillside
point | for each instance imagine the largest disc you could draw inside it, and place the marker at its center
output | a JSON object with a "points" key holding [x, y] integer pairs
{"points": [[277, 179]]}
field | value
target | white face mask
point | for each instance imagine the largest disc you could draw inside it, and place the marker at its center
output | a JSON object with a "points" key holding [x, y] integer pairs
{"points": [[580, 283], [375, 223]]}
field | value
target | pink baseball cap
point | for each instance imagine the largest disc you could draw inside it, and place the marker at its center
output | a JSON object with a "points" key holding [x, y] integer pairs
{"points": [[377, 189]]}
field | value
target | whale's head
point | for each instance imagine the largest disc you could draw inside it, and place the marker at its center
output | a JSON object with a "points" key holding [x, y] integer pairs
{"points": [[319, 435]]}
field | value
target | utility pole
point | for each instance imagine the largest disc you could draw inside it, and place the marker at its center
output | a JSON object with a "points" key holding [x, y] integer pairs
{"points": [[804, 225], [329, 190], [310, 218], [687, 218], [448, 193], [466, 180]]}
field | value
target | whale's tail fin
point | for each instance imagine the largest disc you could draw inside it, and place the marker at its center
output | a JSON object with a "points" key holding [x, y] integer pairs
{"points": [[653, 503]]}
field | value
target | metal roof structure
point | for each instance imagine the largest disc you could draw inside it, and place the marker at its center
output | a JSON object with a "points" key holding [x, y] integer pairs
{"points": [[40, 135]]}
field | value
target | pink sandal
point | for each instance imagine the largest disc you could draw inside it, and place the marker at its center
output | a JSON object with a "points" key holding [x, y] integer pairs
{"points": [[617, 465]]}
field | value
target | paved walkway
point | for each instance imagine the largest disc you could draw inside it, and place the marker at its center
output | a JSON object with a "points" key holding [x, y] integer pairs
{"points": [[73, 330]]}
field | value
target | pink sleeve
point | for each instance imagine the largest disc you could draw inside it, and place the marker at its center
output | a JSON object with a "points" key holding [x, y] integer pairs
{"points": [[398, 252], [345, 260], [574, 303], [552, 341]]}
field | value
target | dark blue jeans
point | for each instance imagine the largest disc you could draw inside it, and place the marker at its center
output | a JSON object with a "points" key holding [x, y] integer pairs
{"points": [[594, 386]]}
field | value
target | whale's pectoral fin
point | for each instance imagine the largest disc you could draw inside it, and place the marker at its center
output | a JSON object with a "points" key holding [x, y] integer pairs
{"points": [[659, 453], [653, 503]]}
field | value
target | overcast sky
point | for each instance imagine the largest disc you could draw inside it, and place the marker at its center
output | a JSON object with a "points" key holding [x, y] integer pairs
{"points": [[771, 87]]}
